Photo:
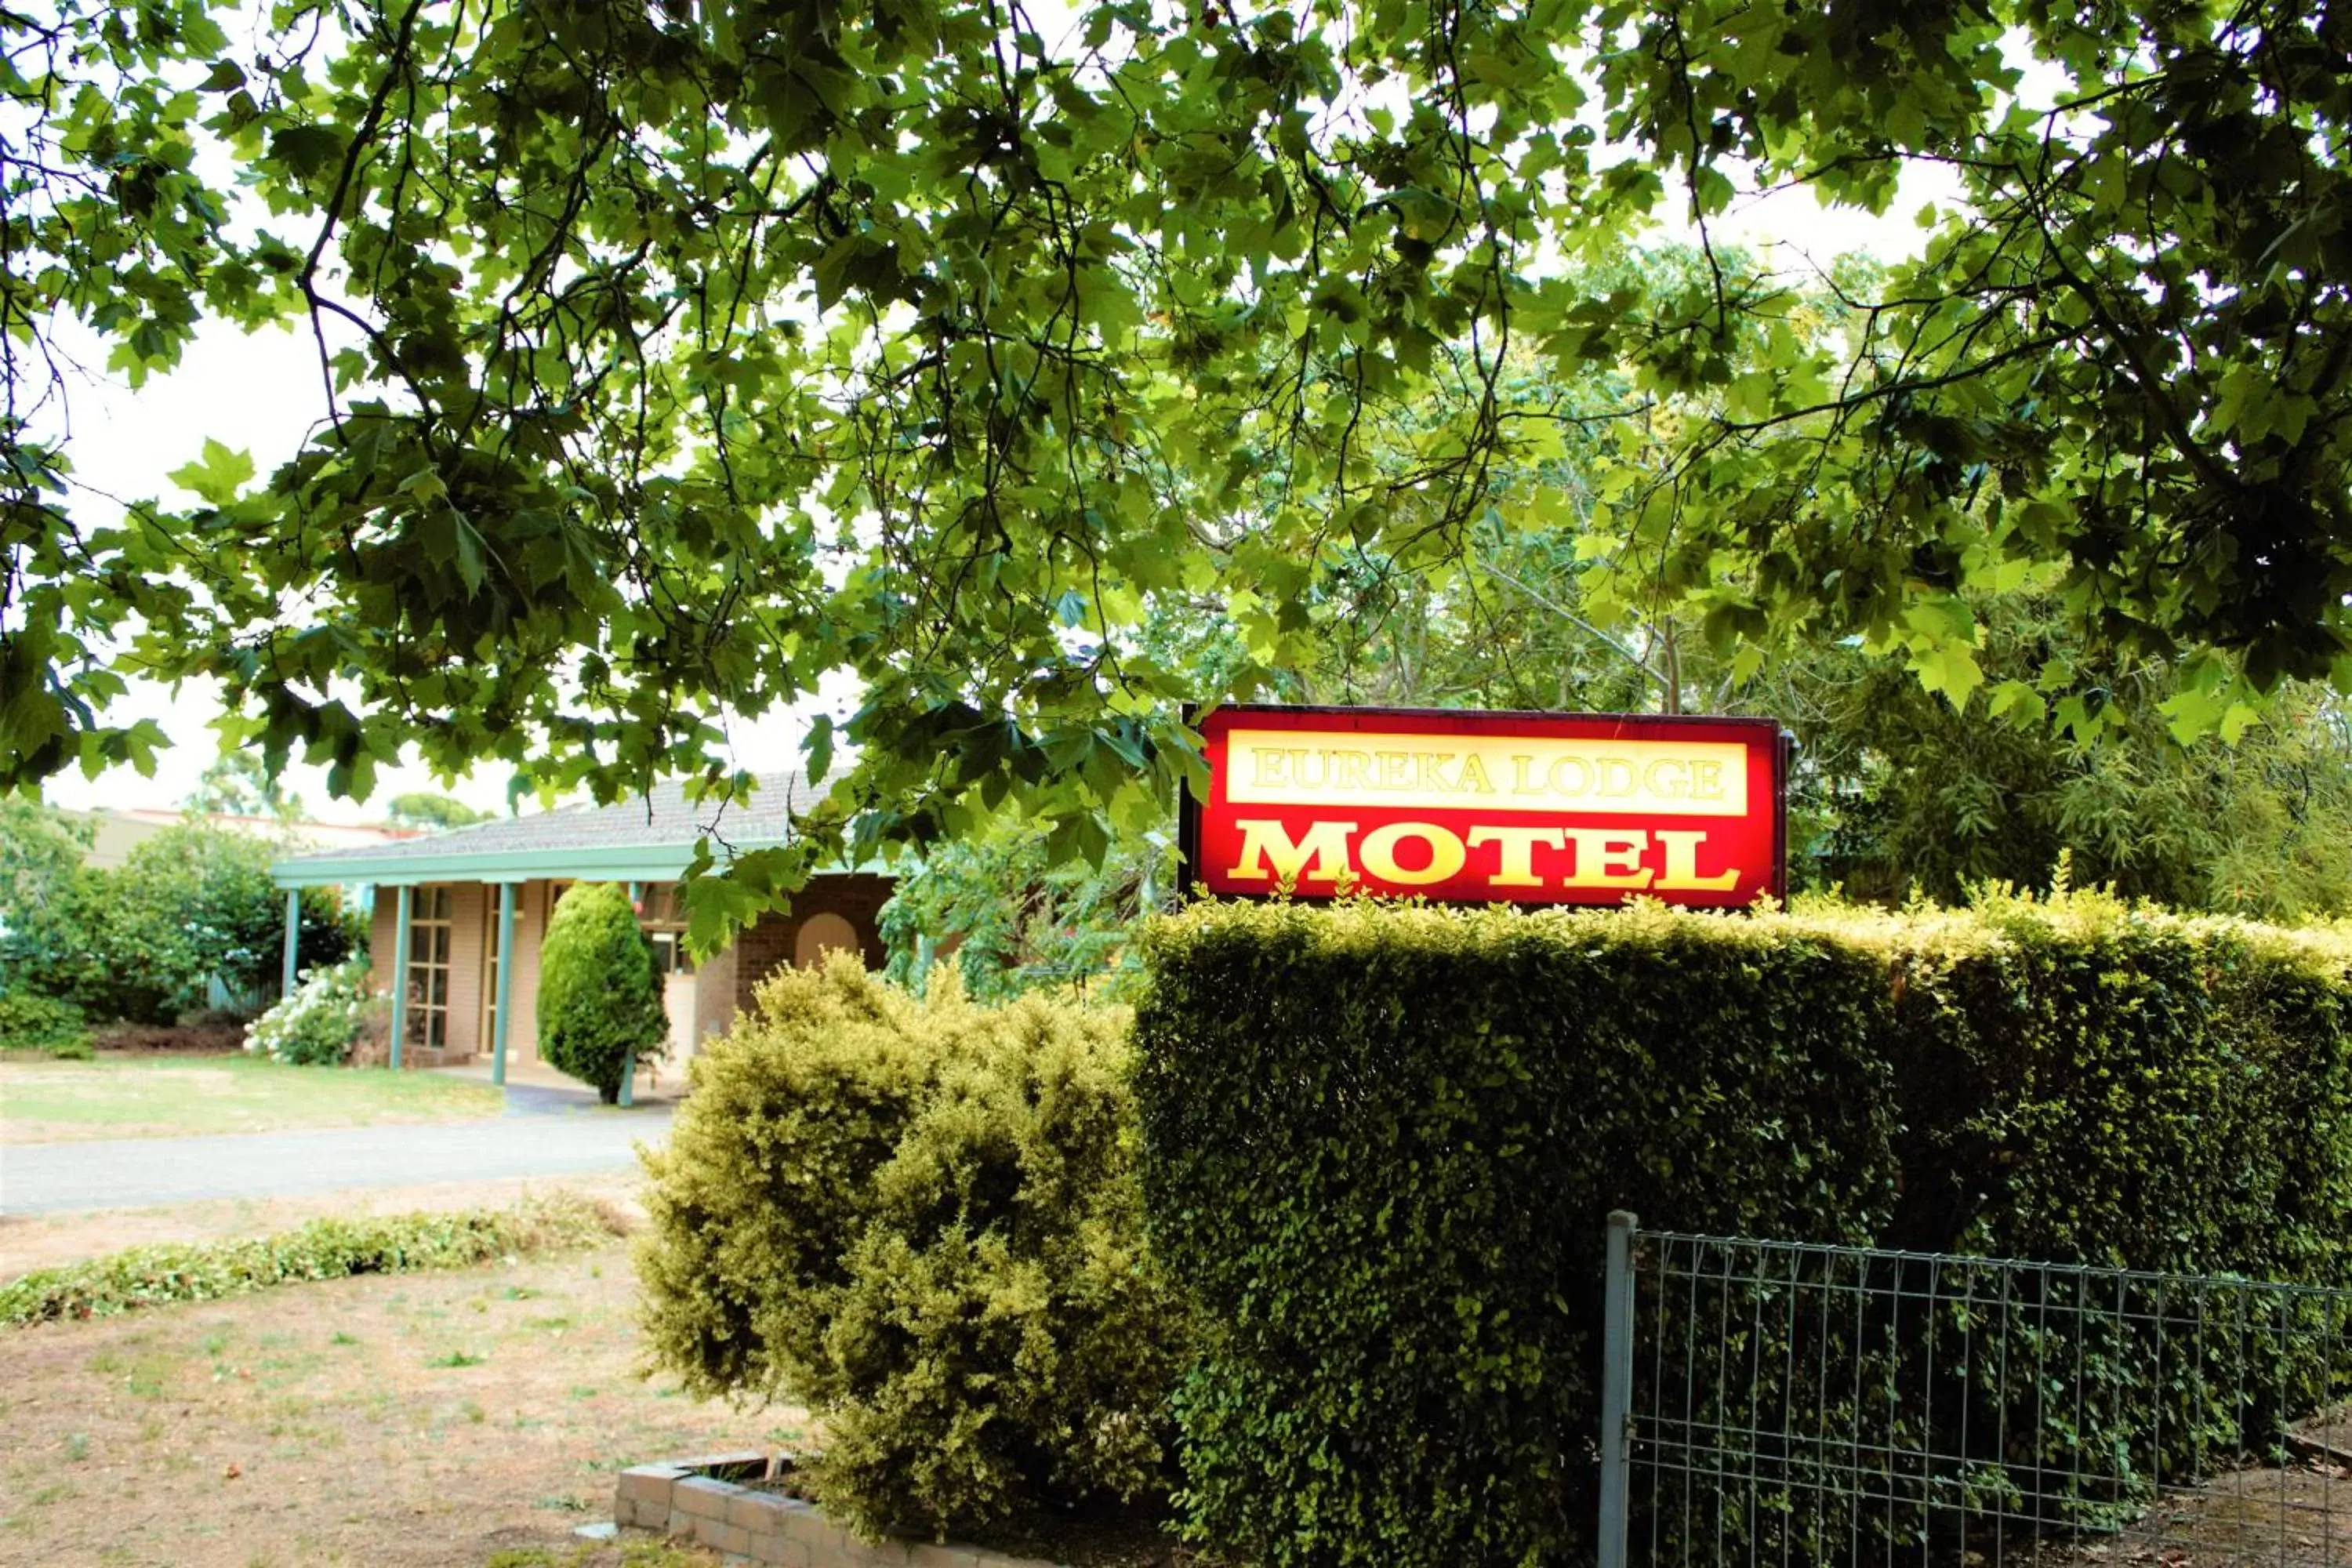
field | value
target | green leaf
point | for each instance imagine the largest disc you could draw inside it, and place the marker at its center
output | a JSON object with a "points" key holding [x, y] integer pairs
{"points": [[217, 476]]}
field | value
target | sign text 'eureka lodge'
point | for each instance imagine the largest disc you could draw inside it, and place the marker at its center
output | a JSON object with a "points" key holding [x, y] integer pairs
{"points": [[1489, 807]]}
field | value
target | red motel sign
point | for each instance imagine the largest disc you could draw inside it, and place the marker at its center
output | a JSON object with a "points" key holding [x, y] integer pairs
{"points": [[1523, 808]]}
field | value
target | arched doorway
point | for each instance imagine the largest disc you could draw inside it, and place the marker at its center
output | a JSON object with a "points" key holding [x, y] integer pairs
{"points": [[820, 934]]}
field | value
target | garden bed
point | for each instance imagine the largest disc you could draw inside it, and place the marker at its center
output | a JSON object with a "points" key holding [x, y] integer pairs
{"points": [[207, 1039], [746, 1508]]}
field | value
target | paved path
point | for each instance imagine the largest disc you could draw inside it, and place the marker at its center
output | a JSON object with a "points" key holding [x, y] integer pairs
{"points": [[545, 1132]]}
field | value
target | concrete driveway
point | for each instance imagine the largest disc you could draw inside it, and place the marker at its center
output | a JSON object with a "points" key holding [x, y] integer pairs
{"points": [[545, 1132]]}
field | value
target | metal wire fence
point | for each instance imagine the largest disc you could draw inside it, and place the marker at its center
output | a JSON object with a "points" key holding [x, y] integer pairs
{"points": [[1770, 1402]]}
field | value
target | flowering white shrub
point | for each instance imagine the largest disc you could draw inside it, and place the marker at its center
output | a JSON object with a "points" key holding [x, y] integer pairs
{"points": [[319, 1023]]}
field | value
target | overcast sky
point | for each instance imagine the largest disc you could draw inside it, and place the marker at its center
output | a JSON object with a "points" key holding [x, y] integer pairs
{"points": [[261, 393]]}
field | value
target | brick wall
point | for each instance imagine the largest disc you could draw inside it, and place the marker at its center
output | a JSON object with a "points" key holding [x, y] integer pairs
{"points": [[469, 938], [770, 943], [714, 995], [531, 904], [382, 935]]}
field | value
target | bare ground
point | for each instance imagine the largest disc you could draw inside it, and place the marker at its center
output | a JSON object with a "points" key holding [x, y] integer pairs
{"points": [[424, 1419], [2295, 1515]]}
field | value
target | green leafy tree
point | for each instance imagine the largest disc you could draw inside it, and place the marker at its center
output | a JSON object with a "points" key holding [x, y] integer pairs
{"points": [[682, 357], [44, 897], [2066, 749], [600, 992], [142, 941], [1011, 920], [191, 904], [241, 784], [432, 811], [1896, 791]]}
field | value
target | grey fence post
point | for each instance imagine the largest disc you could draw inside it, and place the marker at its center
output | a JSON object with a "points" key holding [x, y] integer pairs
{"points": [[1617, 1391]]}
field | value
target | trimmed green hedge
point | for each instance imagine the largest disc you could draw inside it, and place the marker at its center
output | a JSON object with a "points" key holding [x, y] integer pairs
{"points": [[1380, 1140], [600, 989]]}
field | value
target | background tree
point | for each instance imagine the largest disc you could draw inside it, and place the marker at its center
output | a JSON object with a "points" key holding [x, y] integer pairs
{"points": [[44, 906], [241, 784], [682, 358], [1897, 791], [600, 992], [143, 941], [1011, 918], [433, 812]]}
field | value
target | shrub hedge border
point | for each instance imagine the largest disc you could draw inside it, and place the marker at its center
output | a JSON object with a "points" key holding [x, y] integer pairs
{"points": [[1380, 1141], [322, 1249]]}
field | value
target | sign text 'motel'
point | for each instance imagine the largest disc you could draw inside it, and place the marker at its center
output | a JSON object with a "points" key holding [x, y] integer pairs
{"points": [[1527, 808]]}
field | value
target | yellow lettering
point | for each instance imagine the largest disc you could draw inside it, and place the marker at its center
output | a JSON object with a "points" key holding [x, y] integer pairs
{"points": [[1616, 777], [1266, 840], [1270, 766], [1607, 857], [1474, 776], [1706, 780], [1378, 853], [1518, 852], [1668, 779], [1352, 766], [1567, 766], [1682, 864], [1523, 779], [1392, 767]]}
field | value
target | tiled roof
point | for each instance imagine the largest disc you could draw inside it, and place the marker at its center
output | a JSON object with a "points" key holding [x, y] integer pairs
{"points": [[651, 835]]}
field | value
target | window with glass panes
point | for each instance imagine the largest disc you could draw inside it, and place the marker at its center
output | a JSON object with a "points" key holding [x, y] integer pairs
{"points": [[661, 912], [428, 967]]}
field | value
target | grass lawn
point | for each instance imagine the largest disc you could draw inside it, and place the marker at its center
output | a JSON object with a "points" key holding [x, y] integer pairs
{"points": [[468, 1418], [44, 1101]]}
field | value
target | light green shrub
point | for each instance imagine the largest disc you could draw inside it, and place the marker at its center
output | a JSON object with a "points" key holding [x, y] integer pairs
{"points": [[600, 993], [34, 1023], [322, 1249], [921, 1219], [321, 1021]]}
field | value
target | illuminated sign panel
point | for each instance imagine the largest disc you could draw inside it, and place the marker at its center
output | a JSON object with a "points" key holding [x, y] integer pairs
{"points": [[1529, 808]]}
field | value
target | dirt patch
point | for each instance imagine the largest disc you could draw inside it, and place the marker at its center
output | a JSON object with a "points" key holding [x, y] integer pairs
{"points": [[428, 1419], [171, 1039], [2297, 1517], [44, 1241]]}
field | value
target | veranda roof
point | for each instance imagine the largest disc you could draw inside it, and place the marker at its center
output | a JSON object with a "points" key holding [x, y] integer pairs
{"points": [[648, 839]]}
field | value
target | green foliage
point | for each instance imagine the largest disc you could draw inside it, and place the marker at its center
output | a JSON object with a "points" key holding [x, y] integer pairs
{"points": [[1016, 920], [44, 898], [1896, 789], [2242, 808], [141, 942], [321, 1021], [321, 1249], [921, 1219], [29, 1022], [1379, 1143], [421, 808], [600, 993], [241, 784], [191, 903], [626, 308]]}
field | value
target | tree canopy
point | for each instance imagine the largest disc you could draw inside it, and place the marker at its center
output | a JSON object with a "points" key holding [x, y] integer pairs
{"points": [[239, 784], [680, 356], [423, 808]]}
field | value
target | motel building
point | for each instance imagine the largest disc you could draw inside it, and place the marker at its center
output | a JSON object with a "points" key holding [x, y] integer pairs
{"points": [[450, 908]]}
